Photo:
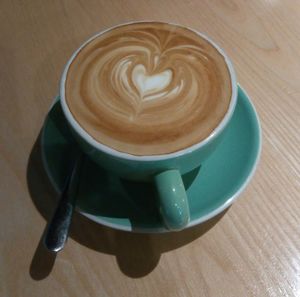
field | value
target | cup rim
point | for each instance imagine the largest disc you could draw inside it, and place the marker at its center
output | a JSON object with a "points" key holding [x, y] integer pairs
{"points": [[113, 152]]}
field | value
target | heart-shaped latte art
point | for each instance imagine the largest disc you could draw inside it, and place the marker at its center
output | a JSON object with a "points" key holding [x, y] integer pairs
{"points": [[148, 85]]}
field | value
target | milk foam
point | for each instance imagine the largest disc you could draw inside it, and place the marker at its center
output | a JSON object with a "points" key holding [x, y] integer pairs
{"points": [[148, 88], [150, 84]]}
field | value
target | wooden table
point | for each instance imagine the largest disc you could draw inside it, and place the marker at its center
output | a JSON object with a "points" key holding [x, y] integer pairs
{"points": [[251, 250]]}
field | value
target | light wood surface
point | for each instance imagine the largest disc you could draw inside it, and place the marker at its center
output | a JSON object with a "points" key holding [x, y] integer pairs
{"points": [[252, 250]]}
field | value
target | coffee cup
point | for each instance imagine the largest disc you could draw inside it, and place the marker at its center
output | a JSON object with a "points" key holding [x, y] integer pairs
{"points": [[165, 138]]}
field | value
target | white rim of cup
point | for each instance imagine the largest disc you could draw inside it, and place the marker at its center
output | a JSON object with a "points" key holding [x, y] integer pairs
{"points": [[110, 151]]}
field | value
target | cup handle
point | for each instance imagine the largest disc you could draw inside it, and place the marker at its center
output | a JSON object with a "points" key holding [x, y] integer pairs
{"points": [[174, 206]]}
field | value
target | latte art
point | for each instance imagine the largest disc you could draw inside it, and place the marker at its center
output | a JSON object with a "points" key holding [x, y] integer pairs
{"points": [[153, 84], [148, 88]]}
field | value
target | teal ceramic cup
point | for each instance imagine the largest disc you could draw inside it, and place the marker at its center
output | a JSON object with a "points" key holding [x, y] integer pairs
{"points": [[166, 170]]}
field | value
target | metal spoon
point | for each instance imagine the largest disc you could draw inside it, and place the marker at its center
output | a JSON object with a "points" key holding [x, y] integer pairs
{"points": [[58, 228]]}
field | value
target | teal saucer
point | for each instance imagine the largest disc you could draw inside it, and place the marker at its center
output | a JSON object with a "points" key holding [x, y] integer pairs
{"points": [[109, 200]]}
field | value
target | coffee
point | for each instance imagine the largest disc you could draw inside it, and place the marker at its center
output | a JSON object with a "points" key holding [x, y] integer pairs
{"points": [[148, 88]]}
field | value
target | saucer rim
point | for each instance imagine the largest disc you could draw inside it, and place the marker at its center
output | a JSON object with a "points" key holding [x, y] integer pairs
{"points": [[192, 223]]}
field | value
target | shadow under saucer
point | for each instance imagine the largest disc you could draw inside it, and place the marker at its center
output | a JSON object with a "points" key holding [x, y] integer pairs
{"points": [[137, 254], [106, 199]]}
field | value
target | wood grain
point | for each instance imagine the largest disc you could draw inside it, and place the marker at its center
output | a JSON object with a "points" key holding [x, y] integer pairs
{"points": [[252, 250]]}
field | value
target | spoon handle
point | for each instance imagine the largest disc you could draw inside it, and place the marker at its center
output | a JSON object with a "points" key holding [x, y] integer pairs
{"points": [[58, 228]]}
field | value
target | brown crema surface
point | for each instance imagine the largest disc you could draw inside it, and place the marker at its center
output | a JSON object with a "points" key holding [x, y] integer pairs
{"points": [[148, 88]]}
